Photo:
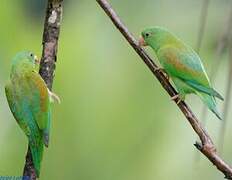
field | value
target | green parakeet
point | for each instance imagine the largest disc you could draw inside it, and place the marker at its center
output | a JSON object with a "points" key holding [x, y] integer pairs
{"points": [[182, 64], [28, 99]]}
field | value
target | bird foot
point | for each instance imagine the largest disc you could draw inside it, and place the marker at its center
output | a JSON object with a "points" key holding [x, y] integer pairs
{"points": [[164, 72], [54, 97], [177, 96]]}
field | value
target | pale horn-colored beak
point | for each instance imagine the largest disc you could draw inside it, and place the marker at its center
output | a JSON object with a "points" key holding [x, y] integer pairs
{"points": [[142, 42], [37, 60]]}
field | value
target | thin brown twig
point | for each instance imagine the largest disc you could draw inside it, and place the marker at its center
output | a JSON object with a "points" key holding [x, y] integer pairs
{"points": [[228, 40], [206, 146], [202, 24], [216, 62], [47, 64], [226, 104], [200, 36], [222, 44]]}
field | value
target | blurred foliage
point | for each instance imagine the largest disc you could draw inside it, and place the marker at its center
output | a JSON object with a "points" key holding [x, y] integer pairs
{"points": [[115, 121]]}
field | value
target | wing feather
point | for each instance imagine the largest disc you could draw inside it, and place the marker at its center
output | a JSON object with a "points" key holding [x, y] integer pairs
{"points": [[186, 65], [39, 103], [30, 97]]}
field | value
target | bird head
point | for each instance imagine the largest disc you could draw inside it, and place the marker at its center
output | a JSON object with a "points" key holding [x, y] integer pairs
{"points": [[24, 60], [155, 37]]}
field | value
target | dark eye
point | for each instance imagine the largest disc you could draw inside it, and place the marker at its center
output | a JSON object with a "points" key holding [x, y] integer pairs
{"points": [[147, 34], [31, 55]]}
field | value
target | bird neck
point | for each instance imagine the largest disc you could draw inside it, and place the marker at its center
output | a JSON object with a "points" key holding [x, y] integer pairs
{"points": [[162, 41], [20, 69]]}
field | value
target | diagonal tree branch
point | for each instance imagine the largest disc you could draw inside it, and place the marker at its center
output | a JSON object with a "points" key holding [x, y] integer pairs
{"points": [[206, 146], [200, 36], [48, 60]]}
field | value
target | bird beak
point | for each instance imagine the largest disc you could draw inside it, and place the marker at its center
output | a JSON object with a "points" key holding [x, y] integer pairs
{"points": [[37, 60], [142, 42]]}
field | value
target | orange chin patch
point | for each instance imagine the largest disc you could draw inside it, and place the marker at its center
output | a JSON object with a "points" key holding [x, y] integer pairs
{"points": [[142, 42]]}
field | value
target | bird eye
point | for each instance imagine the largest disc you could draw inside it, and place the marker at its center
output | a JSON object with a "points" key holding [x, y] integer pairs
{"points": [[31, 55], [147, 34]]}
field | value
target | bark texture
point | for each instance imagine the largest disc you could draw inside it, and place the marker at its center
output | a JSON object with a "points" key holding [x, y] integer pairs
{"points": [[206, 146], [47, 65]]}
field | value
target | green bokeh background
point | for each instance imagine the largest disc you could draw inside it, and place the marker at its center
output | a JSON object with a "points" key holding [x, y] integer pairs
{"points": [[115, 121]]}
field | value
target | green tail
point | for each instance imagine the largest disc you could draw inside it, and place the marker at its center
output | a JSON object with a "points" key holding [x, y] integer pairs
{"points": [[37, 155], [210, 102]]}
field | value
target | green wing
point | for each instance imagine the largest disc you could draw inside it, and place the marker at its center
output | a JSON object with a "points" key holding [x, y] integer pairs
{"points": [[29, 102], [185, 64], [15, 108], [39, 102]]}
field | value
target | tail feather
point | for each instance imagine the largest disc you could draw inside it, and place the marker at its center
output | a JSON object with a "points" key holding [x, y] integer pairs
{"points": [[37, 155], [208, 90], [210, 102]]}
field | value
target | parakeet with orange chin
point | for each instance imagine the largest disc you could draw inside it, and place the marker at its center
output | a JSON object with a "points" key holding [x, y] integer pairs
{"points": [[182, 64], [29, 101]]}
